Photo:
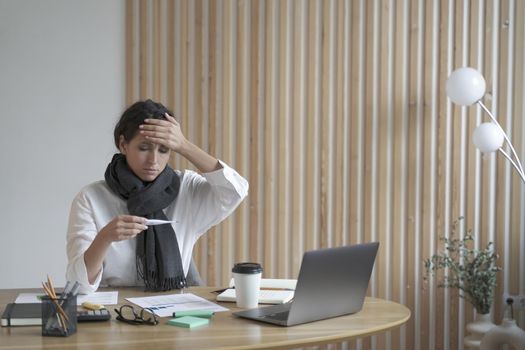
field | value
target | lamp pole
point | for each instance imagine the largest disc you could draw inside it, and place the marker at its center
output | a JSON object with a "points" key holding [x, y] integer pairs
{"points": [[515, 163]]}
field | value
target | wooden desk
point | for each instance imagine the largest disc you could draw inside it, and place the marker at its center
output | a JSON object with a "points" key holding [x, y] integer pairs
{"points": [[224, 330]]}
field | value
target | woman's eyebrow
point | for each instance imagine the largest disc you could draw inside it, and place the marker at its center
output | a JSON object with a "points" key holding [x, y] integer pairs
{"points": [[146, 143]]}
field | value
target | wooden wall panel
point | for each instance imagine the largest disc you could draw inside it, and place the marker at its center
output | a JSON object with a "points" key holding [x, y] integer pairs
{"points": [[336, 113]]}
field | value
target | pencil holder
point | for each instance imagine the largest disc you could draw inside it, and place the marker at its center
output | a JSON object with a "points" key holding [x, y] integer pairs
{"points": [[59, 316]]}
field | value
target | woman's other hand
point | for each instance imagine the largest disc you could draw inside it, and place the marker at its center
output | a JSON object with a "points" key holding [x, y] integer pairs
{"points": [[164, 132], [123, 227], [120, 228]]}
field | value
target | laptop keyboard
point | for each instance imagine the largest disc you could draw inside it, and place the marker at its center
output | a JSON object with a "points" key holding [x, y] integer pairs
{"points": [[280, 316]]}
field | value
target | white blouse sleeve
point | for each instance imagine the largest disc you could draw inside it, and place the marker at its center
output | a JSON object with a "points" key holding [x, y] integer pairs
{"points": [[212, 197], [80, 234]]}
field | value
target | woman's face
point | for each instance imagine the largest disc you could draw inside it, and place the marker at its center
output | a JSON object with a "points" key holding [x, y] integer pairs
{"points": [[145, 158]]}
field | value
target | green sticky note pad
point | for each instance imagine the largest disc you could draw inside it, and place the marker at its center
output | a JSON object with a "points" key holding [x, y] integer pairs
{"points": [[188, 321], [196, 313]]}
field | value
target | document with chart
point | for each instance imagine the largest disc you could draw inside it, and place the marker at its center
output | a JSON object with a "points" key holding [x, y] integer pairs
{"points": [[166, 305]]}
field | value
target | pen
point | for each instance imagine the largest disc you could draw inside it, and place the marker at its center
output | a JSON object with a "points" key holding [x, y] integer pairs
{"points": [[262, 288], [222, 290], [195, 313], [75, 288], [65, 291], [276, 289]]}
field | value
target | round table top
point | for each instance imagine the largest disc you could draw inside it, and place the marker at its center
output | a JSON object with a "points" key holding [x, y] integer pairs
{"points": [[224, 330]]}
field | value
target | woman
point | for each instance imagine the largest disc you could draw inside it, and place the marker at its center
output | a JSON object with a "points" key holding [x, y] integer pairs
{"points": [[109, 242]]}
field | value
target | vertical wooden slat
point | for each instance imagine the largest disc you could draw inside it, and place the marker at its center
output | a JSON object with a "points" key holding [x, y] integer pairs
{"points": [[399, 203], [511, 220], [420, 301], [505, 118], [198, 115], [194, 68], [443, 217], [478, 63], [312, 125], [519, 135], [383, 116], [207, 246], [330, 121], [271, 137], [339, 125], [336, 113], [299, 139], [131, 51], [244, 123], [437, 212], [156, 48], [177, 78], [227, 119], [164, 57], [214, 277], [283, 138], [216, 125], [257, 198], [492, 76], [254, 231], [170, 53], [356, 123], [344, 100], [324, 126], [144, 52], [489, 161], [182, 66], [462, 150]]}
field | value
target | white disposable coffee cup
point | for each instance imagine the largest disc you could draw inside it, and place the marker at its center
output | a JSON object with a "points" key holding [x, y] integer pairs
{"points": [[247, 279]]}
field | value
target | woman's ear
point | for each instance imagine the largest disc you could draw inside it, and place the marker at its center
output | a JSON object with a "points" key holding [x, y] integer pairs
{"points": [[122, 145]]}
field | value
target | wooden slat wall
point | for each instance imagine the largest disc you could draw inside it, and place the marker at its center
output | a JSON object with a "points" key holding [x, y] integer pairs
{"points": [[335, 111]]}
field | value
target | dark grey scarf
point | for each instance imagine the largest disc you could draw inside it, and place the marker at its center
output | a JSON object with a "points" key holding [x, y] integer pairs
{"points": [[159, 262]]}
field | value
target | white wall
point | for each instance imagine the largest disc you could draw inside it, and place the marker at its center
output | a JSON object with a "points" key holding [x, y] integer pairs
{"points": [[62, 76]]}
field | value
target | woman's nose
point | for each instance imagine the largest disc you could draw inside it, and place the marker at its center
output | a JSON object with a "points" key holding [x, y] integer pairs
{"points": [[152, 158]]}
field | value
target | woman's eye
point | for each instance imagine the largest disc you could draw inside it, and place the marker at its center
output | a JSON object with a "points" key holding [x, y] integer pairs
{"points": [[163, 150]]}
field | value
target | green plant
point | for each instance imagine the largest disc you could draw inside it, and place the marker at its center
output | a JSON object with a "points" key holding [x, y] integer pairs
{"points": [[472, 271]]}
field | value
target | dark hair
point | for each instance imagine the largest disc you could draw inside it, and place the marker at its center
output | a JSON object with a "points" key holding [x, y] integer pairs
{"points": [[129, 122]]}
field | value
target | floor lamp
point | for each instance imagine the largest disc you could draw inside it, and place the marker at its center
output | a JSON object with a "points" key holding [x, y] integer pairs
{"points": [[466, 86]]}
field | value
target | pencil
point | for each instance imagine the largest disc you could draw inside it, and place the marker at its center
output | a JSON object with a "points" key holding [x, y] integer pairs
{"points": [[52, 295], [61, 315]]}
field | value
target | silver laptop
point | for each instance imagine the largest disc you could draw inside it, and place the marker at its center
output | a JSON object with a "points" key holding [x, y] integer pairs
{"points": [[332, 282]]}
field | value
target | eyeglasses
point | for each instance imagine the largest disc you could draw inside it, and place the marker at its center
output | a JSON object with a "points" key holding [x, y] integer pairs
{"points": [[127, 314]]}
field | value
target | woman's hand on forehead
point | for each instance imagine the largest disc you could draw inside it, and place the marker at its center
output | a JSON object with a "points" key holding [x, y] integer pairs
{"points": [[164, 132]]}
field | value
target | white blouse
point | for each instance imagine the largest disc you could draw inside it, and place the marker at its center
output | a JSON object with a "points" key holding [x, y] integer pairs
{"points": [[205, 200]]}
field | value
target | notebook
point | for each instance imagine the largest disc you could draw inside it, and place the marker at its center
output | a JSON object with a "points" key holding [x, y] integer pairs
{"points": [[22, 315], [332, 282], [265, 296], [273, 283]]}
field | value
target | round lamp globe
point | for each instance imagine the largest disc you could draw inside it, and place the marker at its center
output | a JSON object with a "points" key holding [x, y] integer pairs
{"points": [[488, 137], [465, 86]]}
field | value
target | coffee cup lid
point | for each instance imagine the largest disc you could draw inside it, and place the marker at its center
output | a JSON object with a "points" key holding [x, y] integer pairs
{"points": [[247, 267]]}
